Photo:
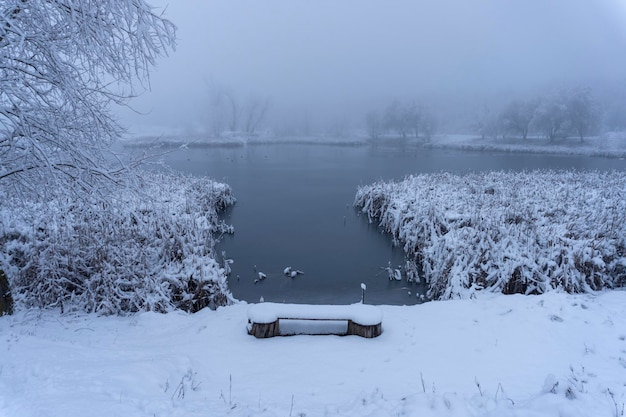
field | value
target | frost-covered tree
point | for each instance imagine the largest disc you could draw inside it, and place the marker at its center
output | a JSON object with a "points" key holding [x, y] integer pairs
{"points": [[582, 112], [227, 113], [566, 112], [487, 123], [254, 111], [395, 119], [406, 118], [374, 124], [412, 115], [63, 63], [428, 123], [517, 116], [551, 117]]}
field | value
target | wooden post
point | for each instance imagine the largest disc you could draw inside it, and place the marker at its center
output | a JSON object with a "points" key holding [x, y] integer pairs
{"points": [[368, 332], [6, 300], [264, 330]]}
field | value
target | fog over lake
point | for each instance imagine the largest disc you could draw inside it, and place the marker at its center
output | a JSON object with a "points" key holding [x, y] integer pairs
{"points": [[328, 60]]}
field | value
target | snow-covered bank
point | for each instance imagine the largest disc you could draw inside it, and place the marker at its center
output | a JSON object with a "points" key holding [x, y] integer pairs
{"points": [[608, 145], [550, 355], [196, 140], [507, 232], [147, 249]]}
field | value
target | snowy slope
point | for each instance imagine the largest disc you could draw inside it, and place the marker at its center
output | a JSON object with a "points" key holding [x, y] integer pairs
{"points": [[495, 356]]}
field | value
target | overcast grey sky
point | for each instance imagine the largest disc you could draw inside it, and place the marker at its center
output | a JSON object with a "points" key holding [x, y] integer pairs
{"points": [[327, 53]]}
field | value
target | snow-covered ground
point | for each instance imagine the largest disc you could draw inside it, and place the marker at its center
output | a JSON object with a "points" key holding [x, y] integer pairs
{"points": [[549, 355]]}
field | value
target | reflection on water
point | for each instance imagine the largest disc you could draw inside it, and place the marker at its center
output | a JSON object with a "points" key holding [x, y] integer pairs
{"points": [[294, 209]]}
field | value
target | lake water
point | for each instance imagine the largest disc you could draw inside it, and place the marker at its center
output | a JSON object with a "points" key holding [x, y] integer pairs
{"points": [[294, 208]]}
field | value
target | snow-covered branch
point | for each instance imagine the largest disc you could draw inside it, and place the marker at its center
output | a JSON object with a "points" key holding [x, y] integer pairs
{"points": [[62, 64]]}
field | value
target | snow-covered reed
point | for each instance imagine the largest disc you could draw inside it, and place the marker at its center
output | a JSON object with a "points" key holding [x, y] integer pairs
{"points": [[510, 232], [147, 250]]}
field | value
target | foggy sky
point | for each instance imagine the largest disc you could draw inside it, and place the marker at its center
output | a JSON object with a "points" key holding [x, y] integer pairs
{"points": [[332, 54]]}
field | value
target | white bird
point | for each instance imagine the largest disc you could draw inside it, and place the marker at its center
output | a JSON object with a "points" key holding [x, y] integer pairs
{"points": [[261, 277], [397, 275], [393, 273], [290, 272]]}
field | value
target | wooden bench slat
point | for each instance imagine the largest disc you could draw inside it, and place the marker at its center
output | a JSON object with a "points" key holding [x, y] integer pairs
{"points": [[360, 313]]}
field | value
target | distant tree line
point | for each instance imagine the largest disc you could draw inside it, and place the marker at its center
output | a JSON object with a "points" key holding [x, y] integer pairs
{"points": [[561, 114]]}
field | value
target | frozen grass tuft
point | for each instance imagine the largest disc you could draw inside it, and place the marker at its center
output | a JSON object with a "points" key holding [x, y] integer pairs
{"points": [[509, 232]]}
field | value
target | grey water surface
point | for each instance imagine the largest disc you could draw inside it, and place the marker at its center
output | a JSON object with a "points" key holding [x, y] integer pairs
{"points": [[295, 209]]}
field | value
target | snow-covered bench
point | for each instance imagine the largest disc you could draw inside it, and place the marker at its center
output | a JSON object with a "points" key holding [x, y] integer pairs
{"points": [[361, 319]]}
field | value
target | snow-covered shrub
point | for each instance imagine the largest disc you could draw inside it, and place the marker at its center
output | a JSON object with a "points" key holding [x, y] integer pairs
{"points": [[511, 232], [151, 249]]}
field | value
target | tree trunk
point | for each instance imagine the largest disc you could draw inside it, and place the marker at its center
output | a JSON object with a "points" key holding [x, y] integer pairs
{"points": [[6, 300]]}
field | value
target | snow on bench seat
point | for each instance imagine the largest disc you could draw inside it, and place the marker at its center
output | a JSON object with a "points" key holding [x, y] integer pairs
{"points": [[363, 320]]}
